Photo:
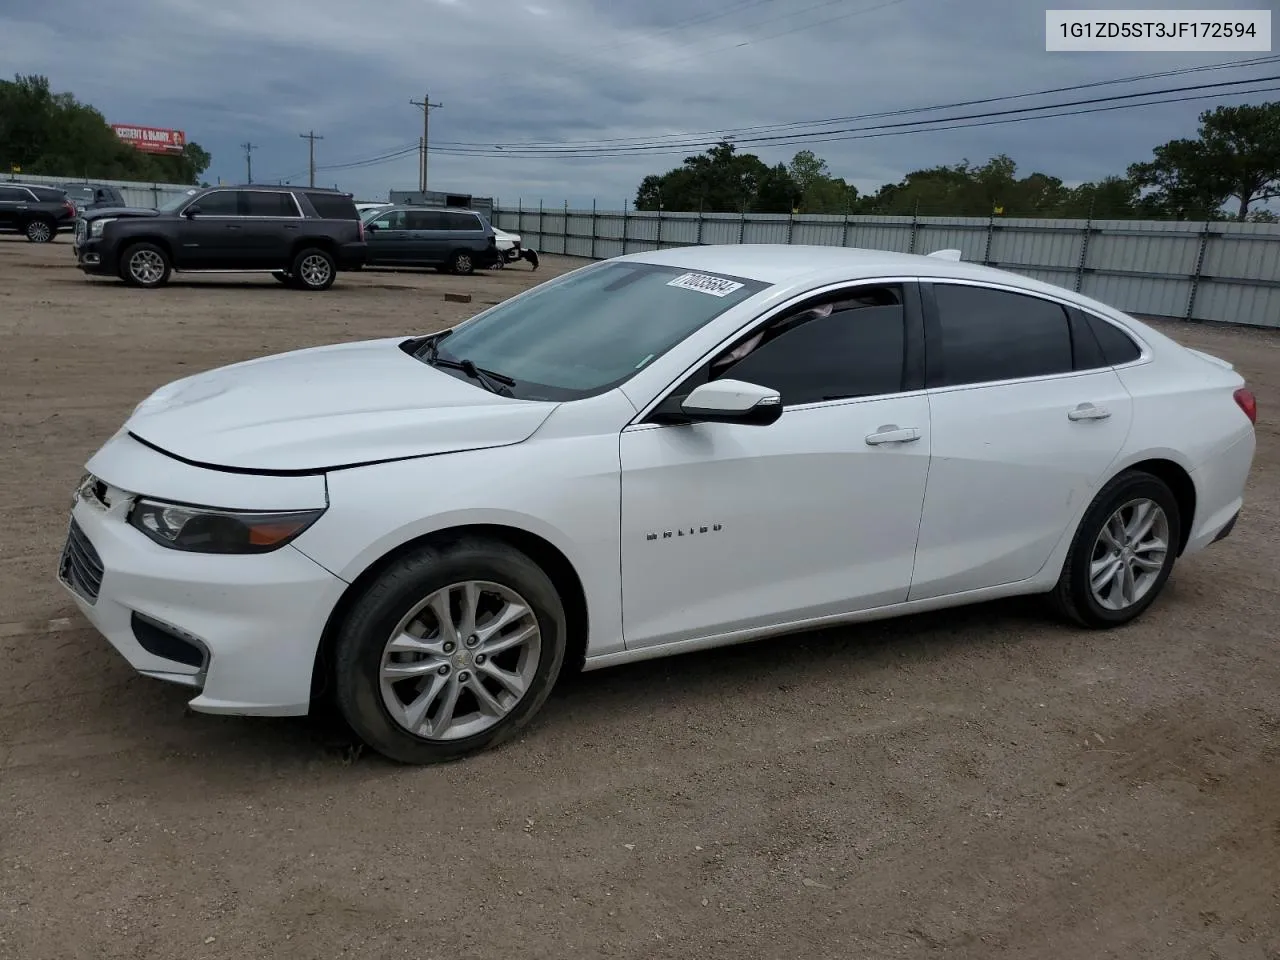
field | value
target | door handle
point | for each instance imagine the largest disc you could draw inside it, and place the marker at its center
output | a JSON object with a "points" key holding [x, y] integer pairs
{"points": [[1087, 411], [233, 226], [892, 433]]}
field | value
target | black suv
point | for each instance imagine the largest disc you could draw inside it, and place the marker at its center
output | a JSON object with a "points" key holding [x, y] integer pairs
{"points": [[302, 235], [37, 211], [91, 196]]}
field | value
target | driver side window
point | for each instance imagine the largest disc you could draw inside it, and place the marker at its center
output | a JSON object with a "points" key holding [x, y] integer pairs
{"points": [[851, 343]]}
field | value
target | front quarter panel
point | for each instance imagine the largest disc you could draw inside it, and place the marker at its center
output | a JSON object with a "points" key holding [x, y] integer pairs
{"points": [[562, 484]]}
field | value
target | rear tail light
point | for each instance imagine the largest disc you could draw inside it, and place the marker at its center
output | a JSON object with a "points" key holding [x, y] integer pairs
{"points": [[361, 222], [1247, 402], [71, 208]]}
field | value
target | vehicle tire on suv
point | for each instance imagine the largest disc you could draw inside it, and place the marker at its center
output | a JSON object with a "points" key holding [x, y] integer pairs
{"points": [[145, 265], [40, 230], [1122, 553], [461, 262], [313, 269], [451, 650]]}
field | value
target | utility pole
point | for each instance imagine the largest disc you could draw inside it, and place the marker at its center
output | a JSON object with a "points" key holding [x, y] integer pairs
{"points": [[248, 160], [427, 106], [311, 150]]}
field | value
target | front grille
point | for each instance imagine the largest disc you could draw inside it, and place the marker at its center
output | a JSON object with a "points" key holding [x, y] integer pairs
{"points": [[82, 231], [80, 567]]}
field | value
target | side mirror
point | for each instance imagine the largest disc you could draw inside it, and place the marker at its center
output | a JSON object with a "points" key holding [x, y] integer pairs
{"points": [[733, 401], [191, 211], [371, 227]]}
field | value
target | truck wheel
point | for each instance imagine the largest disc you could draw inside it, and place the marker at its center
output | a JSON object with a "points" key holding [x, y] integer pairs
{"points": [[145, 265], [313, 269], [461, 262], [40, 231]]}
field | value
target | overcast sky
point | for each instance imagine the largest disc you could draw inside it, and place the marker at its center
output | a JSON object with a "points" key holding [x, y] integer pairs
{"points": [[227, 71]]}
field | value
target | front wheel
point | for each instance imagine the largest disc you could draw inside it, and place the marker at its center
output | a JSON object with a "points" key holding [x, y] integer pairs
{"points": [[452, 650], [1122, 554], [145, 265], [313, 269]]}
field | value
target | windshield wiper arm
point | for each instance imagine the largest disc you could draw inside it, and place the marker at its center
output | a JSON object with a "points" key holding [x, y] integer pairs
{"points": [[492, 381]]}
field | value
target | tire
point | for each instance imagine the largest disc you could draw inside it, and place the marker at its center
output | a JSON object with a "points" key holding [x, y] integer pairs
{"points": [[500, 262], [1074, 596], [386, 609], [40, 230], [532, 257], [313, 269], [145, 265], [461, 262]]}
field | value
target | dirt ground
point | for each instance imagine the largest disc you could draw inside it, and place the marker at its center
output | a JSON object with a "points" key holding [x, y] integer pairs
{"points": [[981, 783]]}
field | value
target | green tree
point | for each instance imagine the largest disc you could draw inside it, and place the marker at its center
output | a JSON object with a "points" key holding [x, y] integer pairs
{"points": [[53, 134], [1235, 158], [721, 180]]}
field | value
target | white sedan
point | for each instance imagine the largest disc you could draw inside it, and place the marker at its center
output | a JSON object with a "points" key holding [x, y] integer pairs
{"points": [[513, 249], [650, 455]]}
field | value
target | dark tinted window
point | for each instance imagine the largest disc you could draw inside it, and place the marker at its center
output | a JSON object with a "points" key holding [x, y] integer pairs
{"points": [[1116, 345], [254, 203], [14, 194], [334, 206], [462, 221], [426, 220], [996, 335], [856, 350], [219, 203], [48, 194]]}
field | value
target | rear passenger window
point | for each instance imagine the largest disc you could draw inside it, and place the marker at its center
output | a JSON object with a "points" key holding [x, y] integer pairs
{"points": [[334, 206], [990, 335], [426, 220], [267, 204], [462, 221], [1116, 345]]}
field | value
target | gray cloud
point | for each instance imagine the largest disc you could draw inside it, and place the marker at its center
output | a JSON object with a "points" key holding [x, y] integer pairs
{"points": [[511, 70]]}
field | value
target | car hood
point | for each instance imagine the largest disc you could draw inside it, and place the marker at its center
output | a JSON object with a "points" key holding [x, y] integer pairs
{"points": [[326, 407], [98, 213]]}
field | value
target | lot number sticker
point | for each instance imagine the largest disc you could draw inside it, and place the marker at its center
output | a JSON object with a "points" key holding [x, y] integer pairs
{"points": [[704, 283]]}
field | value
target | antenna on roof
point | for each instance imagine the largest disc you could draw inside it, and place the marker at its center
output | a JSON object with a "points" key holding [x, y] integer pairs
{"points": [[948, 254]]}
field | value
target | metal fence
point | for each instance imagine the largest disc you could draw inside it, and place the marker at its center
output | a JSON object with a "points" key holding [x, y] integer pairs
{"points": [[1218, 271], [135, 194]]}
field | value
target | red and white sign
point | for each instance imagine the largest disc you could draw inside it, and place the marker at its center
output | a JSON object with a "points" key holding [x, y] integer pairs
{"points": [[151, 139]]}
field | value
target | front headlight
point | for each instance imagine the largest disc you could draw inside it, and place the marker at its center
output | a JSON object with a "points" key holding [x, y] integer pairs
{"points": [[208, 530], [95, 228]]}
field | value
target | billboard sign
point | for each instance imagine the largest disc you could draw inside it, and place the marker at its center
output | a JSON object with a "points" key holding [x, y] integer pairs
{"points": [[151, 139]]}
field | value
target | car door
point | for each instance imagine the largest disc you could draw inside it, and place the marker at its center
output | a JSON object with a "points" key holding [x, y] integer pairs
{"points": [[13, 200], [730, 527], [1026, 423], [428, 236], [211, 238], [388, 240], [272, 224]]}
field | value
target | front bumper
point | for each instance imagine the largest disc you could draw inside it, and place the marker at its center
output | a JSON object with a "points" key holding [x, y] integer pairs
{"points": [[240, 630], [92, 256]]}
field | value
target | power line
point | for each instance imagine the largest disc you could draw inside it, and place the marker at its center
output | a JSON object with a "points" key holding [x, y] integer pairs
{"points": [[827, 135], [659, 139], [427, 106], [311, 137], [248, 160]]}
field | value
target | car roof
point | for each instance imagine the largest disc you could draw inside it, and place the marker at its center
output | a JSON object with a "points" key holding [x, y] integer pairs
{"points": [[275, 188], [777, 263]]}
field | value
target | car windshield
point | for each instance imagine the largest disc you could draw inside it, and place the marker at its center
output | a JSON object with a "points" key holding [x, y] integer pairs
{"points": [[173, 203], [585, 333]]}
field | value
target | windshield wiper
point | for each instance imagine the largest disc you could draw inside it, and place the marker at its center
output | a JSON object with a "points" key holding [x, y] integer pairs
{"points": [[492, 381]]}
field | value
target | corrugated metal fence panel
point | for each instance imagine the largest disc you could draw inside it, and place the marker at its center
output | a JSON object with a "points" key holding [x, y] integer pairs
{"points": [[1145, 267], [135, 194]]}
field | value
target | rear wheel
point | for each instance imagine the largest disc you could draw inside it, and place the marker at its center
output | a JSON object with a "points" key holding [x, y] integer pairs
{"points": [[313, 269], [1122, 554], [40, 231], [461, 263], [145, 265], [452, 650]]}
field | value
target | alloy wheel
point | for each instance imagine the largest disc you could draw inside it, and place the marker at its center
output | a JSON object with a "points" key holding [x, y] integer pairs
{"points": [[314, 270], [147, 267], [1129, 554], [38, 232], [460, 660]]}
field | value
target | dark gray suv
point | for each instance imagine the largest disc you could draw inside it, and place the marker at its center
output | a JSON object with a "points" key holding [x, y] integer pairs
{"points": [[36, 211], [456, 240]]}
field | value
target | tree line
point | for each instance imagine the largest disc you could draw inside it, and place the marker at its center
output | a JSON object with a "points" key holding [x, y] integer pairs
{"points": [[43, 133], [1228, 171]]}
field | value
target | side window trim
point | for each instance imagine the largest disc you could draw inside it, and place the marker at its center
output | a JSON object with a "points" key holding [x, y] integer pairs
{"points": [[913, 379], [935, 366]]}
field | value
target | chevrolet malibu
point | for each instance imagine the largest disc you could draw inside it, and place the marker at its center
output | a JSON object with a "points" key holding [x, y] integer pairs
{"points": [[650, 455]]}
